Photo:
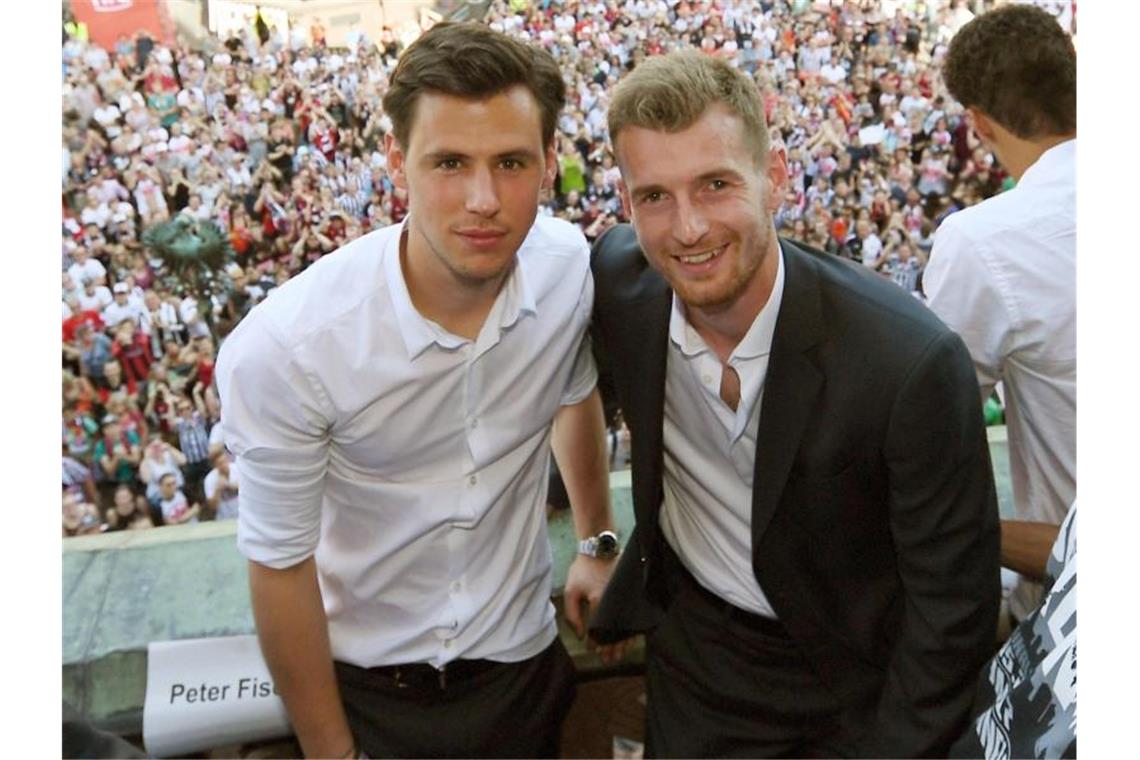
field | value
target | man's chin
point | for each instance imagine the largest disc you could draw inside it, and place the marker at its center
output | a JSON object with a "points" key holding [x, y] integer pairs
{"points": [[709, 297], [480, 273]]}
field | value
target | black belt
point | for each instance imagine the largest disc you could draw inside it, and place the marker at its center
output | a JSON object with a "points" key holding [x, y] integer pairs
{"points": [[420, 674], [768, 626]]}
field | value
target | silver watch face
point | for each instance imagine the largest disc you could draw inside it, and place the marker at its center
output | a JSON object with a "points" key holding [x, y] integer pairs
{"points": [[606, 545]]}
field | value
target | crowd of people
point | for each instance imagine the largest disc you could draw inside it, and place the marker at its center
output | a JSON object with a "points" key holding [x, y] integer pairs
{"points": [[877, 152], [277, 138]]}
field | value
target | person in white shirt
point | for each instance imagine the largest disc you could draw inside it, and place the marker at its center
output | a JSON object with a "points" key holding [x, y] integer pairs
{"points": [[94, 297], [96, 211], [108, 116], [871, 246], [197, 210], [833, 72], [392, 410], [176, 508], [85, 268], [1003, 273], [121, 308], [222, 486]]}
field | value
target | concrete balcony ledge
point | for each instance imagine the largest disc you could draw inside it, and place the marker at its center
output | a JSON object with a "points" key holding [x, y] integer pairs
{"points": [[123, 590]]}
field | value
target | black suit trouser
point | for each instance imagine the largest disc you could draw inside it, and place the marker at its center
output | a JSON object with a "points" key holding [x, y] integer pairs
{"points": [[474, 709], [724, 682]]}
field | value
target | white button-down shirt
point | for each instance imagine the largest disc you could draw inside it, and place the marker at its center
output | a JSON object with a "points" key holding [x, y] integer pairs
{"points": [[413, 462], [710, 454], [1003, 276]]}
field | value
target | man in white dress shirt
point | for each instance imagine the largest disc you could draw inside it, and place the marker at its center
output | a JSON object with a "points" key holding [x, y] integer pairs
{"points": [[391, 409], [1003, 273]]}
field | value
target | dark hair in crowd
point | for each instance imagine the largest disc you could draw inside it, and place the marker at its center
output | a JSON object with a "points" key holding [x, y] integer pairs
{"points": [[1017, 65], [470, 60]]}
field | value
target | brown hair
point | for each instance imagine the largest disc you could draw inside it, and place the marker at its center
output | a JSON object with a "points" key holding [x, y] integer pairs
{"points": [[470, 60], [669, 93], [1017, 65]]}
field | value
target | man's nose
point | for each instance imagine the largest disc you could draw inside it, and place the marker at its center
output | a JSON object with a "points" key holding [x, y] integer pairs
{"points": [[482, 196], [690, 224]]}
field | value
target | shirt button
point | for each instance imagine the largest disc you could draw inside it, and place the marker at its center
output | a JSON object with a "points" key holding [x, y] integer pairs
{"points": [[472, 480], [456, 587], [473, 423], [448, 644], [706, 379]]}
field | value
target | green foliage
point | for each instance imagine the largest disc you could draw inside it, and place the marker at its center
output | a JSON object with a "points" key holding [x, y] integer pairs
{"points": [[194, 255], [194, 252]]}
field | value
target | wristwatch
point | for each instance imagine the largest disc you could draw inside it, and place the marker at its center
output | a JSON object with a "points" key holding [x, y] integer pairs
{"points": [[602, 546]]}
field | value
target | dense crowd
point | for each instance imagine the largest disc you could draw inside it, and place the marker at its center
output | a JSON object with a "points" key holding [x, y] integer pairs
{"points": [[277, 139], [877, 153]]}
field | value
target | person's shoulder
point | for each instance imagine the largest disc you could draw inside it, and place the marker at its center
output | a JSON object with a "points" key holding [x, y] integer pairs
{"points": [[555, 255], [319, 296], [855, 300], [616, 249], [991, 214], [551, 235], [621, 270], [1030, 209]]}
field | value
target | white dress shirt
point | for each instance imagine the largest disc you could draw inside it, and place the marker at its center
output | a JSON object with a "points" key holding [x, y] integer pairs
{"points": [[1003, 276], [412, 461], [710, 454]]}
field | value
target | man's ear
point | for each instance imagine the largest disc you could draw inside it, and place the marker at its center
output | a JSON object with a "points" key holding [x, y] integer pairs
{"points": [[551, 170], [982, 124], [777, 173], [396, 166]]}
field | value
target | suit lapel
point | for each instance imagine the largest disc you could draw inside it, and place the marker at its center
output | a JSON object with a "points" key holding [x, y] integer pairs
{"points": [[790, 388], [648, 350]]}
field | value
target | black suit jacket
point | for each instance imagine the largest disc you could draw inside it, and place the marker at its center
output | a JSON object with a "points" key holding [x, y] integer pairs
{"points": [[874, 517]]}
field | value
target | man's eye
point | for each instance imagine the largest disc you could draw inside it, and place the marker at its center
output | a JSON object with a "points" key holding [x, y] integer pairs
{"points": [[450, 164], [718, 184], [511, 164], [652, 197]]}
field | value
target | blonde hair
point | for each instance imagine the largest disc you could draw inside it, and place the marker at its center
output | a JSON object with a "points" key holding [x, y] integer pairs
{"points": [[668, 93]]}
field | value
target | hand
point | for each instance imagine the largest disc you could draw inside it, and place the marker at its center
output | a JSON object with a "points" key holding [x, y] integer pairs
{"points": [[585, 582]]}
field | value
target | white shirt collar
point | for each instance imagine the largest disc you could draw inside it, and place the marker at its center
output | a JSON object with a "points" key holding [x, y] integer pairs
{"points": [[1058, 159], [418, 333], [755, 343]]}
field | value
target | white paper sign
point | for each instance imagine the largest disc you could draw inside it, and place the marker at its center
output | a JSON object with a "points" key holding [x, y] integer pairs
{"points": [[206, 693], [872, 135]]}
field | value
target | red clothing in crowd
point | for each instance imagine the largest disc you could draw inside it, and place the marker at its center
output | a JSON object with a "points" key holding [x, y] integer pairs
{"points": [[240, 240], [72, 323], [325, 140], [134, 357], [839, 230], [206, 373]]}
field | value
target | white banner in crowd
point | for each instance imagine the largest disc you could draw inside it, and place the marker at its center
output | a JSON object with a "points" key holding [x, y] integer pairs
{"points": [[206, 693]]}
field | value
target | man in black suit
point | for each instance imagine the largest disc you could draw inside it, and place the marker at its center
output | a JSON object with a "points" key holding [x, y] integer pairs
{"points": [[816, 551]]}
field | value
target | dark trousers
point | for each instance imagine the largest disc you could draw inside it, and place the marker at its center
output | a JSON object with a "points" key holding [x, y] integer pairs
{"points": [[475, 708], [722, 682]]}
